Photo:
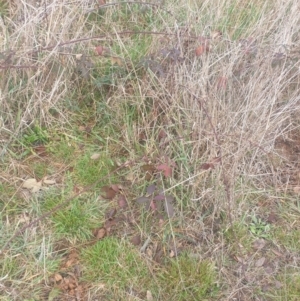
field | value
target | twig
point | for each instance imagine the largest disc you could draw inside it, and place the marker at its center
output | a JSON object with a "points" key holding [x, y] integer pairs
{"points": [[225, 179], [132, 2]]}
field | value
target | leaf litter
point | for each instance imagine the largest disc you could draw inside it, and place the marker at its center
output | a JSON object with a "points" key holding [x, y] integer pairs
{"points": [[35, 186]]}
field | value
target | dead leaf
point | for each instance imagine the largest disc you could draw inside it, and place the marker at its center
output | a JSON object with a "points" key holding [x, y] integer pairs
{"points": [[149, 296], [203, 47], [111, 214], [149, 169], [101, 2], [49, 182], [153, 205], [109, 224], [216, 34], [205, 166], [99, 50], [239, 259], [272, 218], [159, 197], [33, 185], [259, 244], [260, 262], [297, 189], [212, 164], [109, 192], [78, 56], [73, 258], [122, 202], [40, 150], [95, 156], [162, 134], [277, 253], [136, 240], [200, 50], [116, 61], [57, 277], [269, 270], [116, 187], [100, 233], [29, 183]]}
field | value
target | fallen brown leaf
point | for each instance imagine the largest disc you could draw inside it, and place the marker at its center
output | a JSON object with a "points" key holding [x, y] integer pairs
{"points": [[260, 262], [33, 185], [111, 214], [57, 277], [149, 296], [136, 240], [95, 156], [40, 150], [149, 170], [122, 202], [100, 233], [108, 192]]}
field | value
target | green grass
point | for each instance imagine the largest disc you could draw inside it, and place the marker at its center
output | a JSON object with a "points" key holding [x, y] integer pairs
{"points": [[186, 278], [290, 286], [238, 237], [116, 263], [89, 171]]}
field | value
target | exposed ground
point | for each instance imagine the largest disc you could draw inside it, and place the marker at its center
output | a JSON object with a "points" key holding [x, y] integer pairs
{"points": [[150, 151]]}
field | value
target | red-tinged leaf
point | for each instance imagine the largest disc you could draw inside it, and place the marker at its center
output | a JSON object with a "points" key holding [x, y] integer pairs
{"points": [[151, 189], [205, 166], [122, 202], [200, 50], [161, 221], [167, 170], [159, 197], [101, 2], [168, 206], [99, 50], [203, 47], [142, 200], [153, 205], [215, 160], [211, 164]]}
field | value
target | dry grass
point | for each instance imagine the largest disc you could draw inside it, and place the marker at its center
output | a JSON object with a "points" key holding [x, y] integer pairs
{"points": [[148, 96]]}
